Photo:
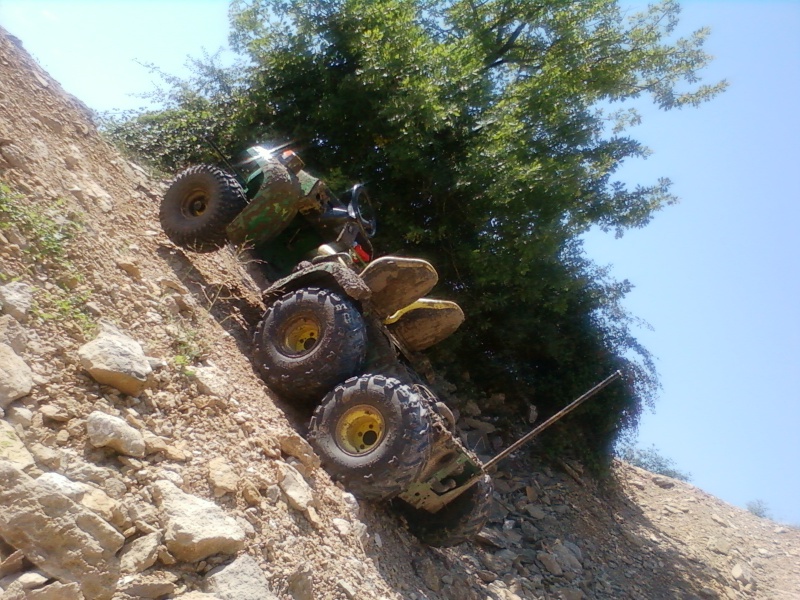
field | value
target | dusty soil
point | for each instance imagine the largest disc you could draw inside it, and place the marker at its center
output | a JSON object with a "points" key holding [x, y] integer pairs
{"points": [[554, 532]]}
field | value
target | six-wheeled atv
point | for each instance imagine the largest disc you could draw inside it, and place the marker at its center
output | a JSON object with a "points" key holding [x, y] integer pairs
{"points": [[342, 333]]}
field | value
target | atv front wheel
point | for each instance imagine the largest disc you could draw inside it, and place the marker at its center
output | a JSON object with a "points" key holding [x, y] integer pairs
{"points": [[459, 521], [308, 341], [372, 434], [199, 205]]}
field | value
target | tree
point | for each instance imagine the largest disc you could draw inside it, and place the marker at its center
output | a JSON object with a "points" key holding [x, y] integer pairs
{"points": [[759, 508], [652, 460], [485, 132]]}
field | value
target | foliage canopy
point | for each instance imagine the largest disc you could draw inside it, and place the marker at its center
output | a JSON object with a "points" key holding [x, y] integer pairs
{"points": [[652, 460], [489, 133]]}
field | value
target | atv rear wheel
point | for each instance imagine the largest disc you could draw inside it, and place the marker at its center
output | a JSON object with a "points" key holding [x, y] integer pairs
{"points": [[308, 341], [459, 521], [372, 434], [199, 205]]}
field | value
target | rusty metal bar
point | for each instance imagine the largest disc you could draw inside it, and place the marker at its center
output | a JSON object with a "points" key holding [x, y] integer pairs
{"points": [[560, 414]]}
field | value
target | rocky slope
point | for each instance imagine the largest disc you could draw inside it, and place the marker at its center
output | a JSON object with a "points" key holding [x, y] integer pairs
{"points": [[141, 457]]}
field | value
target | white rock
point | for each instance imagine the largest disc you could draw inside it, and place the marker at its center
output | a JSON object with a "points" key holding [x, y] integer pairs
{"points": [[243, 579], [13, 334], [299, 448], [742, 573], [195, 528], [140, 554], [112, 432], [298, 493], [12, 449], [212, 381], [56, 591], [64, 539], [56, 482], [301, 584], [222, 476], [342, 526], [115, 359], [16, 298], [26, 580], [19, 415], [16, 377]]}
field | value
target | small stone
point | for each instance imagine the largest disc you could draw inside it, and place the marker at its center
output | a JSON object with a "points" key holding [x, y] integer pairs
{"points": [[146, 588], [222, 476], [296, 446], [427, 572], [301, 584], [140, 554], [212, 382], [16, 377], [342, 526], [742, 573], [56, 591], [59, 484], [550, 563], [663, 482], [12, 449], [130, 268], [535, 511], [250, 492], [348, 590], [298, 493], [115, 359], [195, 528], [16, 298], [12, 333], [242, 579], [719, 546], [486, 576], [718, 520], [54, 412], [112, 432], [98, 501]]}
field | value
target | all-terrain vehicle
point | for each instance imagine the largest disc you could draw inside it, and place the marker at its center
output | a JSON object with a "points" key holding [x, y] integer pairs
{"points": [[342, 332]]}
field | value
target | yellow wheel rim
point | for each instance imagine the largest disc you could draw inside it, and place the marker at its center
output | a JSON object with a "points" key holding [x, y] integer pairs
{"points": [[300, 335], [359, 430]]}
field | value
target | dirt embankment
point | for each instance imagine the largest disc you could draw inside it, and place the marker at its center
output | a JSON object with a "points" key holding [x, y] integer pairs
{"points": [[102, 490]]}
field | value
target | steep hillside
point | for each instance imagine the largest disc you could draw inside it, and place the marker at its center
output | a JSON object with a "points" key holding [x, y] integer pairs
{"points": [[182, 476]]}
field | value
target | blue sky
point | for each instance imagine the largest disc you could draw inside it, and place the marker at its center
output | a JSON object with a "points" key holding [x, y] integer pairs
{"points": [[716, 276]]}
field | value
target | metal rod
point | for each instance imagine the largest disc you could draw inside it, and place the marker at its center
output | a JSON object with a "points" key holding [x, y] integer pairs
{"points": [[216, 149], [562, 413]]}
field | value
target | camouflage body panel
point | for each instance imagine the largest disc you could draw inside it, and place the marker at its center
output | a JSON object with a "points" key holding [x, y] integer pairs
{"points": [[276, 195], [329, 274]]}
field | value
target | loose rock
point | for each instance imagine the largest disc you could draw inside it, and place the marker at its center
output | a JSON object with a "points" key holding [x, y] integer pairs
{"points": [[112, 432], [115, 359], [16, 299], [12, 449], [242, 579], [195, 528], [16, 377], [61, 537]]}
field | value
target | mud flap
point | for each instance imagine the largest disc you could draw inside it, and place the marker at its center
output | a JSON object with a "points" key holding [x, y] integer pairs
{"points": [[425, 323]]}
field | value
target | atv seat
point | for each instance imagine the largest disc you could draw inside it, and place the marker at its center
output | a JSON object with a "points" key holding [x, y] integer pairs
{"points": [[397, 282]]}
